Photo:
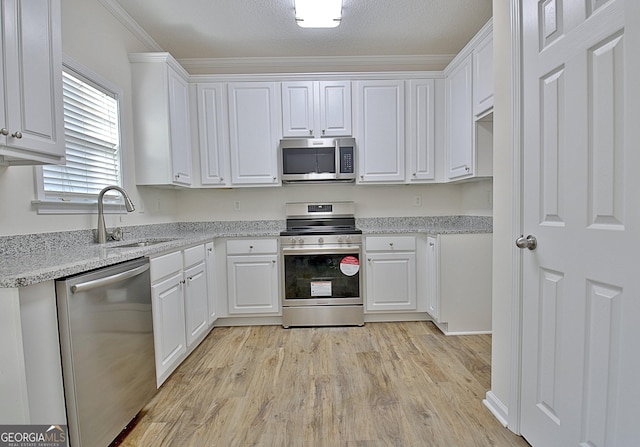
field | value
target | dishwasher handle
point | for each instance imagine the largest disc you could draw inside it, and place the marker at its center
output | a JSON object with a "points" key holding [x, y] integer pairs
{"points": [[84, 286]]}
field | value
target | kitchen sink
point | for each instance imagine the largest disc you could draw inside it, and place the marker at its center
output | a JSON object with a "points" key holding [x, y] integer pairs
{"points": [[144, 243]]}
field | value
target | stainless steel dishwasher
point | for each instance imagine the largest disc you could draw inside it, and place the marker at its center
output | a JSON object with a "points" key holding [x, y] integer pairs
{"points": [[106, 339]]}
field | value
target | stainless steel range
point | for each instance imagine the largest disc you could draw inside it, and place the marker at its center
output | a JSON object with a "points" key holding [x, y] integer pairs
{"points": [[321, 277]]}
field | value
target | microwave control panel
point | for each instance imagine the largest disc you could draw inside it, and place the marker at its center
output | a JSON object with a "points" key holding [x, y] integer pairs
{"points": [[346, 160]]}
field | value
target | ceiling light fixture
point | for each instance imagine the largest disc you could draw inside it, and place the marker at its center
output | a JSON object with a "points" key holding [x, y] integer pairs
{"points": [[318, 13]]}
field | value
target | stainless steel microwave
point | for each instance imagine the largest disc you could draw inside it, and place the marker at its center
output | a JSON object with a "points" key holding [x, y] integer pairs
{"points": [[318, 160]]}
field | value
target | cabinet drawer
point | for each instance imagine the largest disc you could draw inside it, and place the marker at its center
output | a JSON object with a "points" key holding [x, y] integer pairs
{"points": [[390, 243], [193, 256], [252, 246], [165, 265]]}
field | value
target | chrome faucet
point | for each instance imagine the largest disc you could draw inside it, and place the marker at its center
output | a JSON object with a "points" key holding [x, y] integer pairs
{"points": [[102, 228]]}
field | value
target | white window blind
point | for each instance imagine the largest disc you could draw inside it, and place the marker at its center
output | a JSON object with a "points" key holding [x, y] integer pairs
{"points": [[92, 137]]}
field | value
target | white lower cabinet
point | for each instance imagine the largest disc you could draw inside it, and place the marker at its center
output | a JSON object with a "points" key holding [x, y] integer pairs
{"points": [[252, 276], [390, 273], [180, 299], [459, 290]]}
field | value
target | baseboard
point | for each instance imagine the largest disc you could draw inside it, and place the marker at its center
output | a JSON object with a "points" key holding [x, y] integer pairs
{"points": [[497, 408]]}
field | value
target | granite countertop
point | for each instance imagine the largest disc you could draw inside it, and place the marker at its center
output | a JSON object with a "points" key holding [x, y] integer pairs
{"points": [[35, 258]]}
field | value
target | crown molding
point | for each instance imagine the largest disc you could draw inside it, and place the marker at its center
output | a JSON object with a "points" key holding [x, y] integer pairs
{"points": [[130, 24], [315, 64]]}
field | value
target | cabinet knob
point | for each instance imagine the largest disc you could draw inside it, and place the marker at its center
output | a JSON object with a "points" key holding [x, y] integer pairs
{"points": [[322, 131], [221, 179], [250, 247], [4, 131], [310, 131], [391, 244], [17, 135], [466, 168]]}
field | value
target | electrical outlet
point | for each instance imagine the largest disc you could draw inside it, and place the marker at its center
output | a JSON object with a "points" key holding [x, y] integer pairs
{"points": [[236, 205], [417, 200]]}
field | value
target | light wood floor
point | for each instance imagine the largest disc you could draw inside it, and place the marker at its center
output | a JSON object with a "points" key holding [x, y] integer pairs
{"points": [[384, 384]]}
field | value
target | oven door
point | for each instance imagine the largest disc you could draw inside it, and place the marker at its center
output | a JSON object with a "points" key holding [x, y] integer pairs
{"points": [[321, 275]]}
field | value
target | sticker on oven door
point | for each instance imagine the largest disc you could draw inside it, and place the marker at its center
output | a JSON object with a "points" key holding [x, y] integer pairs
{"points": [[349, 265], [320, 288]]}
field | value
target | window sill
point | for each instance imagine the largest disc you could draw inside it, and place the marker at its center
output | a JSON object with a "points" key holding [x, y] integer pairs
{"points": [[75, 207]]}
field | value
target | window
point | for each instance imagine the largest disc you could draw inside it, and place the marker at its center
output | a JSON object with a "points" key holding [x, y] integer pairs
{"points": [[92, 136]]}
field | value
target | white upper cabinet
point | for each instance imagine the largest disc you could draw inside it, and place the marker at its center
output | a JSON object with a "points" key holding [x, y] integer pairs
{"points": [[162, 132], [459, 145], [316, 109], [380, 130], [254, 133], [421, 130], [213, 140], [483, 77], [31, 114]]}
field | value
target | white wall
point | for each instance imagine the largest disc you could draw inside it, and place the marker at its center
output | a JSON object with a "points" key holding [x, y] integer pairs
{"points": [[503, 232], [371, 200]]}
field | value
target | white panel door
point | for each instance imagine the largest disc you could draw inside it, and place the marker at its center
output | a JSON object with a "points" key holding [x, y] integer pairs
{"points": [[196, 302], [180, 129], [459, 102], [379, 118], [391, 281], [335, 108], [298, 108], [32, 96], [253, 284], [581, 308], [169, 336], [421, 130], [212, 134], [255, 129]]}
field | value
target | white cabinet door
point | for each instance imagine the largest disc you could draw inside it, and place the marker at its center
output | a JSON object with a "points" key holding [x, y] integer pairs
{"points": [[421, 130], [433, 297], [255, 130], [31, 115], [168, 325], [252, 282], [483, 77], [380, 129], [391, 281], [298, 109], [211, 282], [316, 108], [391, 273], [459, 145], [211, 104], [196, 302], [162, 122], [180, 131], [335, 108]]}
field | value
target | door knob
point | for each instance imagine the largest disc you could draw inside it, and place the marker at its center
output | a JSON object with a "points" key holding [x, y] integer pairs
{"points": [[529, 242]]}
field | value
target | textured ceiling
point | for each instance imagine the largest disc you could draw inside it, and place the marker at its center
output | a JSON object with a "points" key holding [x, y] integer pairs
{"points": [[266, 28]]}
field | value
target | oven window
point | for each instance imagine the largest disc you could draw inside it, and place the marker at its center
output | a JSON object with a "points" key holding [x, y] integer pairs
{"points": [[322, 276]]}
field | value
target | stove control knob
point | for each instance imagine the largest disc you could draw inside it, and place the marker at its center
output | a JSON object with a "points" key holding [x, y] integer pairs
{"points": [[348, 239], [340, 238], [300, 240], [320, 240], [293, 240]]}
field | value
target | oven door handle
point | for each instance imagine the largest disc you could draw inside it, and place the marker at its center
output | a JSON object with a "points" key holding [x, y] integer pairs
{"points": [[319, 249]]}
